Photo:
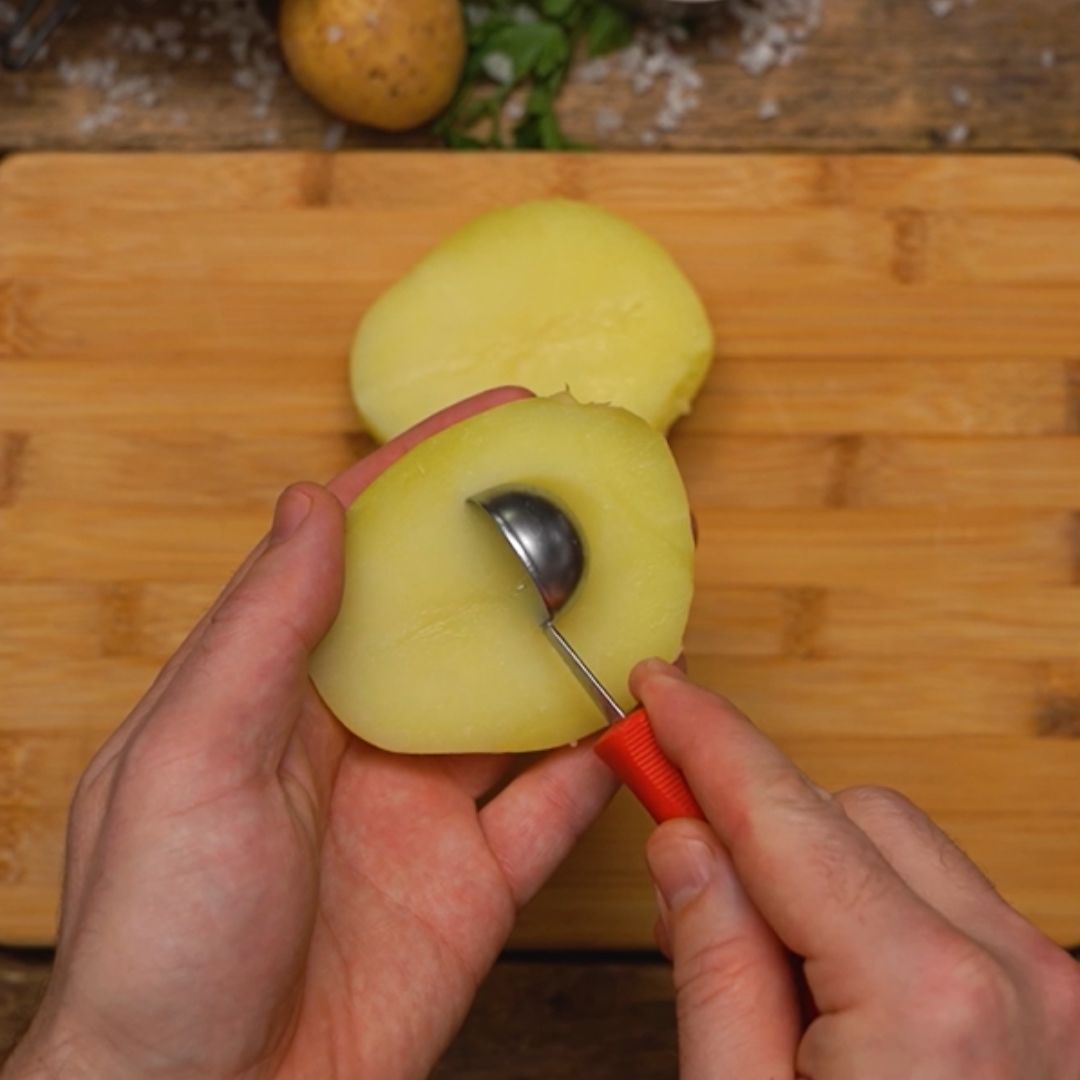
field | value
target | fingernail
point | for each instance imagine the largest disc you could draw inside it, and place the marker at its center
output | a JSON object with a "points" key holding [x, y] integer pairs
{"points": [[681, 871], [291, 511]]}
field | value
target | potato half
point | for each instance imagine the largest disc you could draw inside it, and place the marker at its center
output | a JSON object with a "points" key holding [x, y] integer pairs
{"points": [[550, 295], [437, 646]]}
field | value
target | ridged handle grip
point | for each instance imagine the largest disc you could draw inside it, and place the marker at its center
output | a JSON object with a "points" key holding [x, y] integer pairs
{"points": [[630, 749]]}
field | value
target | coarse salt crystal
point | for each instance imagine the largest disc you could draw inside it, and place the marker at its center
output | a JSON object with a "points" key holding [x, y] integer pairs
{"points": [[607, 121], [667, 120], [1048, 58], [758, 58], [960, 96], [334, 33], [498, 67], [769, 109], [940, 8], [593, 71], [958, 134], [333, 136]]}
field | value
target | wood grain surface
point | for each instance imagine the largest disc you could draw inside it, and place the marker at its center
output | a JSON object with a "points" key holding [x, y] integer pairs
{"points": [[877, 75], [883, 462], [534, 1018]]}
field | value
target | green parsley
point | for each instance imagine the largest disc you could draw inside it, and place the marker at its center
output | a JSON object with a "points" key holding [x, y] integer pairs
{"points": [[525, 47]]}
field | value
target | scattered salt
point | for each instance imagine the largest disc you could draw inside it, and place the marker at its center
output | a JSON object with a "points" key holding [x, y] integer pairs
{"points": [[958, 134], [960, 96], [769, 109], [475, 14], [333, 136], [1048, 58], [593, 71], [940, 8], [606, 121], [648, 138], [498, 67], [334, 33]]}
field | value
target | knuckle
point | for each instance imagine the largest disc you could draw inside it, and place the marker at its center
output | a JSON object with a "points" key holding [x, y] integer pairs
{"points": [[967, 997], [878, 802], [1057, 976], [723, 971]]}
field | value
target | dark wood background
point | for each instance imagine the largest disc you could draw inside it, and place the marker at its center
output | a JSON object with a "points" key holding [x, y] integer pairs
{"points": [[878, 75]]}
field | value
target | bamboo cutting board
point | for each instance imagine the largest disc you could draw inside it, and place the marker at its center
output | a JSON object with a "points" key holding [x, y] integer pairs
{"points": [[885, 463]]}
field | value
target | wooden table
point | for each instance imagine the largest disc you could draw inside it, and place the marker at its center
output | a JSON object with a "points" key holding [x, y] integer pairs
{"points": [[879, 75], [992, 75]]}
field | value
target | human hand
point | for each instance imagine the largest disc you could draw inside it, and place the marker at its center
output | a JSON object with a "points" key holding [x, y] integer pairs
{"points": [[916, 967], [252, 891]]}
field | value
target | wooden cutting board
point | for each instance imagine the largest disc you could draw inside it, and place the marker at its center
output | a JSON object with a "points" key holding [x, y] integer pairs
{"points": [[885, 463]]}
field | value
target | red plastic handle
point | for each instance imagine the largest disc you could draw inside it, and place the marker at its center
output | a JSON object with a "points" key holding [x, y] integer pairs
{"points": [[633, 754]]}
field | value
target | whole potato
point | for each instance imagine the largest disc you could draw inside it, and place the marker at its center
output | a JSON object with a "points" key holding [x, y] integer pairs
{"points": [[390, 64]]}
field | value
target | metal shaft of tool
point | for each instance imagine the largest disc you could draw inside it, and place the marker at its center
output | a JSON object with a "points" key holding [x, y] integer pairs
{"points": [[589, 682]]}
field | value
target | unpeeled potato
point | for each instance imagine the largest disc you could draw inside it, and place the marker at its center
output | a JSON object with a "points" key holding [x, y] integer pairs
{"points": [[437, 646], [390, 64], [549, 295]]}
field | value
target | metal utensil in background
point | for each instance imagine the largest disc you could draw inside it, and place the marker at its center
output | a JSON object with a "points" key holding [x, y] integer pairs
{"points": [[34, 23], [547, 543]]}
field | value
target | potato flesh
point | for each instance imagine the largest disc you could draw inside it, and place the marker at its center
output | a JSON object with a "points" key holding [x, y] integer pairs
{"points": [[437, 646], [551, 295]]}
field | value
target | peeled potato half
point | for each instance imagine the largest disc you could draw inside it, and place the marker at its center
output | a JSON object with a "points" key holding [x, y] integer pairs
{"points": [[551, 295], [437, 647]]}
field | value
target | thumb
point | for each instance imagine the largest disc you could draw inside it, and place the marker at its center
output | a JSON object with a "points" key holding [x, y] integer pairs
{"points": [[735, 998], [241, 685]]}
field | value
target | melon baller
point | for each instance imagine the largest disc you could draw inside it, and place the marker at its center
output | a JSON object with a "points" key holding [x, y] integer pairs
{"points": [[548, 545]]}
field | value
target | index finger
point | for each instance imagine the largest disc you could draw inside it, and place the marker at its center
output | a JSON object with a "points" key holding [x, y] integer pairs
{"points": [[350, 483], [813, 874]]}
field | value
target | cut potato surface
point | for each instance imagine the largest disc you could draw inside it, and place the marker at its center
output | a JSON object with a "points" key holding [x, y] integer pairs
{"points": [[551, 295], [437, 646]]}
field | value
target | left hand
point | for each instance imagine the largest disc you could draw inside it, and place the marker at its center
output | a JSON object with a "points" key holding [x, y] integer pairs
{"points": [[252, 891]]}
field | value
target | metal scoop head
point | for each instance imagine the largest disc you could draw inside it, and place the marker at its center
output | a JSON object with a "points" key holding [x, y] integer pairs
{"points": [[543, 537], [547, 543]]}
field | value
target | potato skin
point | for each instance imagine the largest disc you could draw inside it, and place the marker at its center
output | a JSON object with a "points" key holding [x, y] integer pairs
{"points": [[389, 64]]}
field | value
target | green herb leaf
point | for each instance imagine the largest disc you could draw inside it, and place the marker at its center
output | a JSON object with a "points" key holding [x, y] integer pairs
{"points": [[608, 29], [525, 45]]}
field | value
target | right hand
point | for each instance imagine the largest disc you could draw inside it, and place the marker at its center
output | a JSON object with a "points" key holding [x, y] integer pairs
{"points": [[915, 966]]}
